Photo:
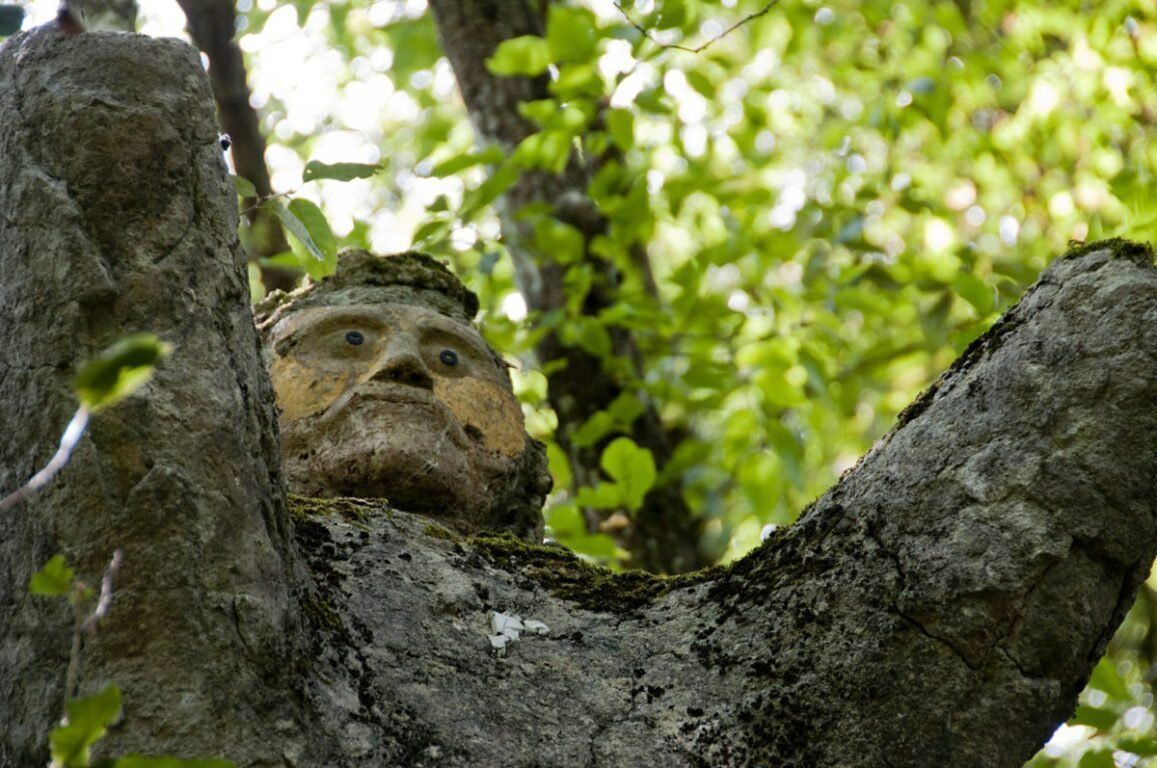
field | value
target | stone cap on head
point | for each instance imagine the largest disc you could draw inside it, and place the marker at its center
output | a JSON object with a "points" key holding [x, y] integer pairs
{"points": [[365, 278]]}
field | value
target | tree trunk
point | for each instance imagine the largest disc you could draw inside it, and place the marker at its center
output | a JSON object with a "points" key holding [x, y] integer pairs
{"points": [[119, 218], [664, 535], [942, 605]]}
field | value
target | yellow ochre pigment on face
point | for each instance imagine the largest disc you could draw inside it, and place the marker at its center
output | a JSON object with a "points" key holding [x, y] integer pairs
{"points": [[324, 357]]}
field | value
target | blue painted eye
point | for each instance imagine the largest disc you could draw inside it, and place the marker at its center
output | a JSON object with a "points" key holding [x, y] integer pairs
{"points": [[448, 356], [355, 337]]}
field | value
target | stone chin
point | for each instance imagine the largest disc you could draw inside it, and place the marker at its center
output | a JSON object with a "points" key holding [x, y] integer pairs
{"points": [[414, 454]]}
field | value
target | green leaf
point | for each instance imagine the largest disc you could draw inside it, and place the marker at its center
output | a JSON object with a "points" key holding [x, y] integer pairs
{"points": [[601, 496], [322, 236], [976, 292], [141, 761], [558, 241], [593, 429], [594, 337], [571, 34], [632, 468], [1145, 746], [53, 580], [489, 156], [1102, 758], [297, 228], [621, 125], [1101, 719], [243, 186], [672, 13], [526, 56], [539, 111], [565, 520], [1105, 678], [115, 373], [88, 721], [315, 170], [488, 191], [11, 19]]}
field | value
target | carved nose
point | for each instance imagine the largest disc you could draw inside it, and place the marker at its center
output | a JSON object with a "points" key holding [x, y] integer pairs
{"points": [[401, 364]]}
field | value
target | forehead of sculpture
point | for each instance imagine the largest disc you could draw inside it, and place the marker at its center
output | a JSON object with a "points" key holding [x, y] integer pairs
{"points": [[363, 278]]}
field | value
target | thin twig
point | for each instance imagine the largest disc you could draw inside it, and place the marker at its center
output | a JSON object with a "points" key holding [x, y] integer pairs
{"points": [[104, 601], [674, 47], [68, 441], [88, 623]]}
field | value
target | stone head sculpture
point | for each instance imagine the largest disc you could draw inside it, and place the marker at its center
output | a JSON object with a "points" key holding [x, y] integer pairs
{"points": [[385, 389]]}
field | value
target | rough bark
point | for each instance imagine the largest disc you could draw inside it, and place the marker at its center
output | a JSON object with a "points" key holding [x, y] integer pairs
{"points": [[942, 605], [212, 25], [118, 217], [664, 535]]}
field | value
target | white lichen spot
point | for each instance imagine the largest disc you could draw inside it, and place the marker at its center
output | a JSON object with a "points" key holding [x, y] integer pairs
{"points": [[507, 628]]}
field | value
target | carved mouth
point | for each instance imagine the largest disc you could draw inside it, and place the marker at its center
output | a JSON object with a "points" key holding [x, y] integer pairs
{"points": [[396, 393]]}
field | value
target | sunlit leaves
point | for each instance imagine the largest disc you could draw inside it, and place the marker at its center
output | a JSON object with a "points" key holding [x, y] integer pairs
{"points": [[53, 580], [315, 170], [526, 56], [308, 226], [633, 472], [570, 34], [243, 186], [116, 372], [88, 720]]}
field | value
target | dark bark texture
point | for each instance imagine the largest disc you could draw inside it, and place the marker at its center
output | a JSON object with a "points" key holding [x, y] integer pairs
{"points": [[942, 605], [665, 533], [118, 217]]}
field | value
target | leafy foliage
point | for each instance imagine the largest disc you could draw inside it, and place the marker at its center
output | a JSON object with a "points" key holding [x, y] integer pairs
{"points": [[116, 372], [53, 580], [87, 722]]}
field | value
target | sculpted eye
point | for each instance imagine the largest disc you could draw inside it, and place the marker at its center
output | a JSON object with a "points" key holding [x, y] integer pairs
{"points": [[355, 337], [448, 356]]}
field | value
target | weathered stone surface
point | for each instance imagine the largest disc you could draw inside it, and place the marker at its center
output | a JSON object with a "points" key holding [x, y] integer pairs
{"points": [[118, 217], [385, 389]]}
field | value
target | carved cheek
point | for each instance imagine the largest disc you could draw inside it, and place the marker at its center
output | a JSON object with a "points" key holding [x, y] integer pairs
{"points": [[302, 390], [488, 407]]}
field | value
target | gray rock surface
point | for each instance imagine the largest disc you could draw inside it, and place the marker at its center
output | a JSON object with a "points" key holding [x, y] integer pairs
{"points": [[942, 605]]}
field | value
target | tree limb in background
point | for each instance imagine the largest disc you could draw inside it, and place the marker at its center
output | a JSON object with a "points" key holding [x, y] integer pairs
{"points": [[212, 25], [664, 534]]}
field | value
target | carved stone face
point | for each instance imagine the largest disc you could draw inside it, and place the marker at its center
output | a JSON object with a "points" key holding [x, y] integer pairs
{"points": [[394, 401]]}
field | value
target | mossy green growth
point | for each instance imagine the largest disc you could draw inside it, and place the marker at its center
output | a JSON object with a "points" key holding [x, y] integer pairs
{"points": [[320, 614], [1139, 253], [438, 532], [566, 576], [349, 509]]}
